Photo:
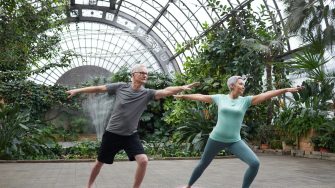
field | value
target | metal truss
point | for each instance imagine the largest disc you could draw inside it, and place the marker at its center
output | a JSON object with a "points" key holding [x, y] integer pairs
{"points": [[110, 34]]}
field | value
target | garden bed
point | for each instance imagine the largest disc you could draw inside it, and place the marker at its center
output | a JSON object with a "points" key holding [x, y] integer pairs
{"points": [[300, 153]]}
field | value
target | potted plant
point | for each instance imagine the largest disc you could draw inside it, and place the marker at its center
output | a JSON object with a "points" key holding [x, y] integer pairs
{"points": [[320, 143], [265, 134], [324, 139]]}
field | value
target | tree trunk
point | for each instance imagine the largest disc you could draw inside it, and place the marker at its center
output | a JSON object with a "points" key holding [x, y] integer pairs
{"points": [[268, 69]]}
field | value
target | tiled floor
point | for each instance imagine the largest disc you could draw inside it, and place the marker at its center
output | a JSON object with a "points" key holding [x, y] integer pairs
{"points": [[275, 172]]}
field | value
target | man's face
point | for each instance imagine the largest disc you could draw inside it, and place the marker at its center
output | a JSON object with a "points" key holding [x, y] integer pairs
{"points": [[140, 75]]}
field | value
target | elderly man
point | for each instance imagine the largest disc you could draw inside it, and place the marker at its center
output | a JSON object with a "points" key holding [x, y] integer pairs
{"points": [[121, 132]]}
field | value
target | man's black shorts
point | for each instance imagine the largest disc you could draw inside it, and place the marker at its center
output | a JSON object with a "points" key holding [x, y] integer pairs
{"points": [[112, 143]]}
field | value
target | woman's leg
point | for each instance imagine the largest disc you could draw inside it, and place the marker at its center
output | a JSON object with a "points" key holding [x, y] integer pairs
{"points": [[212, 148], [241, 150]]}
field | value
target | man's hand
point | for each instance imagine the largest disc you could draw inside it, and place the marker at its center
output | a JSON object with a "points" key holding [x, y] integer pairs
{"points": [[190, 86], [71, 93], [90, 89]]}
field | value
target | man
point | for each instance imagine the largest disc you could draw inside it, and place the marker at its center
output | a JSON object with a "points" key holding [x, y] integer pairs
{"points": [[131, 100]]}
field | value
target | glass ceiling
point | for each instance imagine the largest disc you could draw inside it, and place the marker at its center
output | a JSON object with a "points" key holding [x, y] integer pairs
{"points": [[109, 34]]}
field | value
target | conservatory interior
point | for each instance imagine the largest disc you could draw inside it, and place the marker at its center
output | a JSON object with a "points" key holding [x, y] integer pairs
{"points": [[48, 47]]}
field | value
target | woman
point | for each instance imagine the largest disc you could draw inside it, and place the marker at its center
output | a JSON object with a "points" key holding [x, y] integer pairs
{"points": [[226, 133]]}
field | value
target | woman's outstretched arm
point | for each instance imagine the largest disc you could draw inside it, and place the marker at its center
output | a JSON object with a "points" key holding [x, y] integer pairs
{"points": [[269, 94], [195, 97]]}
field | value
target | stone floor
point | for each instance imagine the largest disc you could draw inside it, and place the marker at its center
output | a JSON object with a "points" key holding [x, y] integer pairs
{"points": [[275, 171]]}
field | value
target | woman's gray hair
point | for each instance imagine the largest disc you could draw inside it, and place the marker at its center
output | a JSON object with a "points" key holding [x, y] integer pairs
{"points": [[232, 80], [136, 67]]}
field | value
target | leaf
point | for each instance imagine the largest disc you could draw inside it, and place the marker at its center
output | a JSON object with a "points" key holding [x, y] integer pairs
{"points": [[23, 126]]}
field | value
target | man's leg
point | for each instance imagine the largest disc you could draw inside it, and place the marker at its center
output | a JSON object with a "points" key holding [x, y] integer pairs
{"points": [[94, 173], [142, 163]]}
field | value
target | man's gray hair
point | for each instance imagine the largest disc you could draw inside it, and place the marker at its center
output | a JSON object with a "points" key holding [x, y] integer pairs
{"points": [[136, 67], [232, 80]]}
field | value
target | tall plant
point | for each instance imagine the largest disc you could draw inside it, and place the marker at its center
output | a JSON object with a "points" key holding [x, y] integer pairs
{"points": [[311, 105], [311, 16], [29, 33], [197, 125], [22, 137], [320, 82], [268, 43], [35, 98]]}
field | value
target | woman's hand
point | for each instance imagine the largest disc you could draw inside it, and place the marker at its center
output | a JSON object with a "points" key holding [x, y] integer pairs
{"points": [[269, 94], [195, 97], [178, 96], [294, 89]]}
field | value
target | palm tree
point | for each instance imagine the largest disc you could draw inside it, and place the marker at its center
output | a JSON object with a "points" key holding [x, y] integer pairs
{"points": [[311, 16], [315, 20], [269, 49]]}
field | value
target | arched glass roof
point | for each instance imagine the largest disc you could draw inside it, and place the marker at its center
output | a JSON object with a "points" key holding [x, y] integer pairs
{"points": [[110, 34]]}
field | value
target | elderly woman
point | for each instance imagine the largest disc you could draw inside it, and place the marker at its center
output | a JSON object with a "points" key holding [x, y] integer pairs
{"points": [[226, 133]]}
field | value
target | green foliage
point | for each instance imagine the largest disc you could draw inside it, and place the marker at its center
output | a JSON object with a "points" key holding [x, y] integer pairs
{"points": [[35, 98], [309, 106], [311, 17], [265, 133], [79, 124], [325, 136], [22, 137], [282, 123], [196, 127], [67, 126], [305, 121], [166, 148], [276, 144], [123, 75], [255, 119], [297, 122], [315, 96], [225, 52], [82, 150], [310, 63], [29, 33], [319, 84], [308, 111]]}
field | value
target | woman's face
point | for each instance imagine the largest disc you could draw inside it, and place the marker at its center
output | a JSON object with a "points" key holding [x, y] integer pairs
{"points": [[238, 87]]}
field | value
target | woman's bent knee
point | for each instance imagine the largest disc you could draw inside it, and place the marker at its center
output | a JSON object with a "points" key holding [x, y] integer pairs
{"points": [[255, 164]]}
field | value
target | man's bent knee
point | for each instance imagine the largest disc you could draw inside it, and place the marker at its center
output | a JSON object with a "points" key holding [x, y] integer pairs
{"points": [[98, 164], [142, 160]]}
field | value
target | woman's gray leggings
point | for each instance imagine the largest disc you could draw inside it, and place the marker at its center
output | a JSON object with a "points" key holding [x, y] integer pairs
{"points": [[240, 149]]}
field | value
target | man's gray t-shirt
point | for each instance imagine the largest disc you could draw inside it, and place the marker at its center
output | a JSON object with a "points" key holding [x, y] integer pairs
{"points": [[128, 108]]}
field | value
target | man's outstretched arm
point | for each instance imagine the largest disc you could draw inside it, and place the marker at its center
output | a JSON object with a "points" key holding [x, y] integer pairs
{"points": [[169, 91], [91, 89]]}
